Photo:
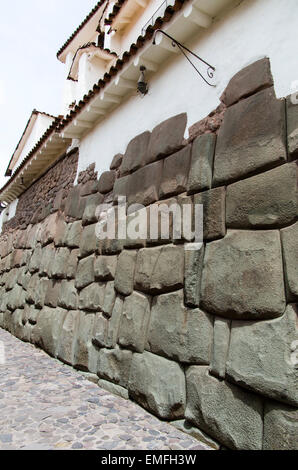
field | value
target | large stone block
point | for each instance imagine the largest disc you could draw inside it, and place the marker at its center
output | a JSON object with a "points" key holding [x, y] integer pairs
{"points": [[16, 298], [48, 329], [85, 272], [158, 385], [185, 426], [220, 349], [114, 365], [47, 258], [280, 427], [84, 349], [166, 138], [60, 262], [178, 332], [214, 212], [106, 181], [289, 238], [261, 357], [68, 296], [92, 297], [36, 259], [109, 299], [292, 126], [105, 334], [73, 234], [88, 241], [143, 185], [90, 215], [68, 336], [251, 138], [105, 268], [250, 80], [125, 272], [135, 154], [134, 322], [175, 173], [243, 276], [72, 264], [160, 269], [74, 204], [121, 187], [268, 200], [201, 167], [225, 412], [192, 276], [116, 162], [52, 294]]}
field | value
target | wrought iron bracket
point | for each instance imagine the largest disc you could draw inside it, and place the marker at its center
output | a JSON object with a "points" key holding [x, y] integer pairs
{"points": [[183, 49]]}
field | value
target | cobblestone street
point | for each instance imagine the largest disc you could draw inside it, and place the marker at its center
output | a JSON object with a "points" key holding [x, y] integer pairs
{"points": [[45, 404]]}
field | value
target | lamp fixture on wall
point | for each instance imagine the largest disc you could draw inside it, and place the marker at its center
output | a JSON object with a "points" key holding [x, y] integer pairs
{"points": [[182, 48], [142, 84]]}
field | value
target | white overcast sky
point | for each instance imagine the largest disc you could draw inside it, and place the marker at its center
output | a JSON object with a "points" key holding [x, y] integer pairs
{"points": [[31, 33]]}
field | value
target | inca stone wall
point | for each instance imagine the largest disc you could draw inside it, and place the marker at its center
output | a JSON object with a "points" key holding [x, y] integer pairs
{"points": [[205, 339]]}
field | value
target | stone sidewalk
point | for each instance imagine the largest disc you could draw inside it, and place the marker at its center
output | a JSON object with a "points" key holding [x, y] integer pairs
{"points": [[45, 404]]}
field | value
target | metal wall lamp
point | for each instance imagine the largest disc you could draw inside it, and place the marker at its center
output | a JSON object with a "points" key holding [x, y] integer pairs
{"points": [[182, 48]]}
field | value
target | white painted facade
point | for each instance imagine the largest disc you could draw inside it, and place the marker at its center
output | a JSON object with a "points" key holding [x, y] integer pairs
{"points": [[251, 30], [42, 123], [8, 213]]}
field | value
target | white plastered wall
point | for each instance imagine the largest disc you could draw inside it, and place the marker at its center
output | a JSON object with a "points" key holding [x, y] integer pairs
{"points": [[252, 30], [8, 213]]}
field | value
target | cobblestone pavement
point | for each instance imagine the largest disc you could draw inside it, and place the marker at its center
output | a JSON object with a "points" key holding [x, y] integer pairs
{"points": [[45, 404]]}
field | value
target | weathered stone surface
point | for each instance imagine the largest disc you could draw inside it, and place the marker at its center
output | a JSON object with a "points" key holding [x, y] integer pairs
{"points": [[178, 332], [105, 268], [35, 260], [158, 385], [59, 265], [175, 173], [166, 138], [116, 162], [289, 238], [67, 340], [88, 240], [221, 341], [214, 212], [280, 427], [268, 200], [92, 297], [135, 154], [261, 356], [106, 181], [68, 297], [125, 272], [85, 272], [84, 347], [251, 138], [16, 298], [73, 205], [159, 269], [52, 294], [32, 288], [60, 231], [11, 278], [201, 167], [47, 257], [121, 187], [250, 80], [143, 185], [134, 322], [73, 234], [109, 298], [192, 276], [90, 215], [292, 126], [114, 365], [40, 292], [100, 331], [72, 264], [243, 276], [226, 412], [90, 187], [113, 388], [201, 436], [48, 329]]}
